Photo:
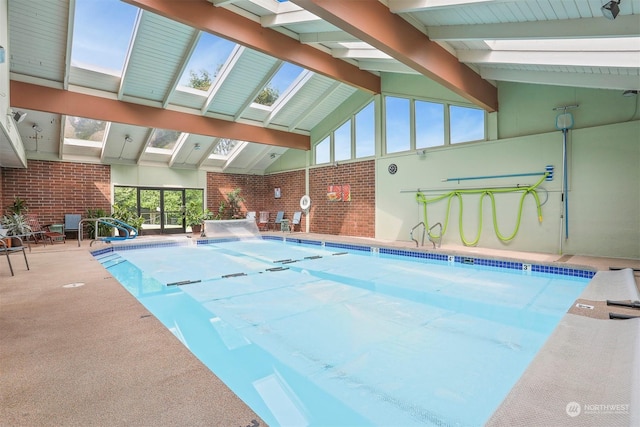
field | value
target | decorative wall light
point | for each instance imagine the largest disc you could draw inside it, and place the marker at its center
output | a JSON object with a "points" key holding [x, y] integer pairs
{"points": [[277, 193], [611, 9]]}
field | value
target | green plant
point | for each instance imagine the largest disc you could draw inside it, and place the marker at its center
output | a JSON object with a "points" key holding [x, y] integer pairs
{"points": [[235, 199], [126, 215], [103, 229], [195, 215], [19, 206], [15, 224]]}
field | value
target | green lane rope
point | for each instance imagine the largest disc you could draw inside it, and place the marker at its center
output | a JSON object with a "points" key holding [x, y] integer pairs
{"points": [[422, 199]]}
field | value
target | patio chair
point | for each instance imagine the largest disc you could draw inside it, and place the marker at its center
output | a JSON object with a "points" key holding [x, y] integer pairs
{"points": [[296, 221], [263, 222], [16, 245], [40, 232], [278, 220], [71, 223]]}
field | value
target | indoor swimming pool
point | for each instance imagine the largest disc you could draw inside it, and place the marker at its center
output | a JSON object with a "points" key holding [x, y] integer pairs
{"points": [[317, 335]]}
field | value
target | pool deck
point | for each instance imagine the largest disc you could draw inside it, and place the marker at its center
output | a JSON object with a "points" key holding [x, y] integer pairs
{"points": [[78, 349]]}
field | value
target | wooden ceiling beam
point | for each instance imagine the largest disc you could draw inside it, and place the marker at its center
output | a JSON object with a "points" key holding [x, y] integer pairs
{"points": [[58, 101]]}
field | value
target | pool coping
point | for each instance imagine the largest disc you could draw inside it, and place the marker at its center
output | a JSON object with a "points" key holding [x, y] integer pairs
{"points": [[453, 257]]}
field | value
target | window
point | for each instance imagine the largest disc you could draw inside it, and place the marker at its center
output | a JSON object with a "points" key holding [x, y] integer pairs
{"points": [[206, 60], [413, 124], [397, 124], [342, 142], [101, 35], [365, 131], [84, 132], [278, 84], [163, 140], [429, 124], [355, 138], [466, 124], [322, 151]]}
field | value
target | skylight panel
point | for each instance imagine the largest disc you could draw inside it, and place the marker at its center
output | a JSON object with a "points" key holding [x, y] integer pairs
{"points": [[206, 60], [279, 83], [84, 132], [163, 141], [102, 33], [224, 148]]}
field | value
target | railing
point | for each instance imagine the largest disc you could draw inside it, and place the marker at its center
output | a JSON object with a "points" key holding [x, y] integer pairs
{"points": [[125, 231], [429, 234], [424, 229]]}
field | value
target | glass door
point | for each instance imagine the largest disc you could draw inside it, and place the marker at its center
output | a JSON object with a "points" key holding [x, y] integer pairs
{"points": [[172, 209], [162, 210]]}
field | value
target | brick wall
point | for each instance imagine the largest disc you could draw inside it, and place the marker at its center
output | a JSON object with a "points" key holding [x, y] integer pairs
{"points": [[258, 191], [52, 189], [354, 218]]}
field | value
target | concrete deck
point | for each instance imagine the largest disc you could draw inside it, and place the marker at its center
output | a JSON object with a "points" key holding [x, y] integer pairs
{"points": [[92, 355]]}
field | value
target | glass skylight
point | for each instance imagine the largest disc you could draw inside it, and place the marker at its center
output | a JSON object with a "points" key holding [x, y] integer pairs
{"points": [[205, 62], [279, 83], [224, 148], [84, 132], [102, 33], [163, 141]]}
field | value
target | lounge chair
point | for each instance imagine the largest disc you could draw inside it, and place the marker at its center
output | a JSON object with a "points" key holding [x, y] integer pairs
{"points": [[296, 221], [7, 249], [251, 215], [278, 220], [40, 232], [263, 222]]}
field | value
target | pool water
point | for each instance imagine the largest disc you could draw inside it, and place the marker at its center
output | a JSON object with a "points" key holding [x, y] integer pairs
{"points": [[308, 335]]}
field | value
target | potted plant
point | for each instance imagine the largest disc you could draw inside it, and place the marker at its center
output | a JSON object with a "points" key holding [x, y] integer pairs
{"points": [[15, 224], [128, 216], [194, 216], [235, 199], [19, 206]]}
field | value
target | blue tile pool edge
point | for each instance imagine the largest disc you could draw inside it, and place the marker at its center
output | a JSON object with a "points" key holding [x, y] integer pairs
{"points": [[451, 258]]}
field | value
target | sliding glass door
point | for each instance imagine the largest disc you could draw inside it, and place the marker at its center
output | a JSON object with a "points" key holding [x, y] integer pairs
{"points": [[161, 208]]}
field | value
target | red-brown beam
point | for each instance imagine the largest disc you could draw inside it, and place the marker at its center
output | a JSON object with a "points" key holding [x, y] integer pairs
{"points": [[58, 101], [372, 22]]}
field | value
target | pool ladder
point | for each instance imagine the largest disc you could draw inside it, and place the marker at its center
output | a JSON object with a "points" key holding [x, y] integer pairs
{"points": [[434, 240]]}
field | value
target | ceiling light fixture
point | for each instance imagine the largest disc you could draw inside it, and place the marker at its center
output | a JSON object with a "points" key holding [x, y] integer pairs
{"points": [[197, 146], [128, 139], [629, 92], [19, 116], [37, 128], [611, 9]]}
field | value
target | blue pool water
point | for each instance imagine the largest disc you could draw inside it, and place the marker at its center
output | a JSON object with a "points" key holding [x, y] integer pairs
{"points": [[309, 335]]}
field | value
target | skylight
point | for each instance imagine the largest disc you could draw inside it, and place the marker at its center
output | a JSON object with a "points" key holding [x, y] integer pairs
{"points": [[205, 62], [279, 83], [224, 148], [101, 35], [163, 141], [84, 132]]}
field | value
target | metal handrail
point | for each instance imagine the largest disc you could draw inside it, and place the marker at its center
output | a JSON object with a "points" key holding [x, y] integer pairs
{"points": [[424, 229], [431, 238], [129, 231]]}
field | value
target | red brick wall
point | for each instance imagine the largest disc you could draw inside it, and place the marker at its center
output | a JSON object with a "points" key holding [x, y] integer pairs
{"points": [[354, 218], [52, 189], [258, 191]]}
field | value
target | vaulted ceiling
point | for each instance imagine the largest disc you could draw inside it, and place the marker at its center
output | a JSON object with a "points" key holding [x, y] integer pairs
{"points": [[342, 48]]}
